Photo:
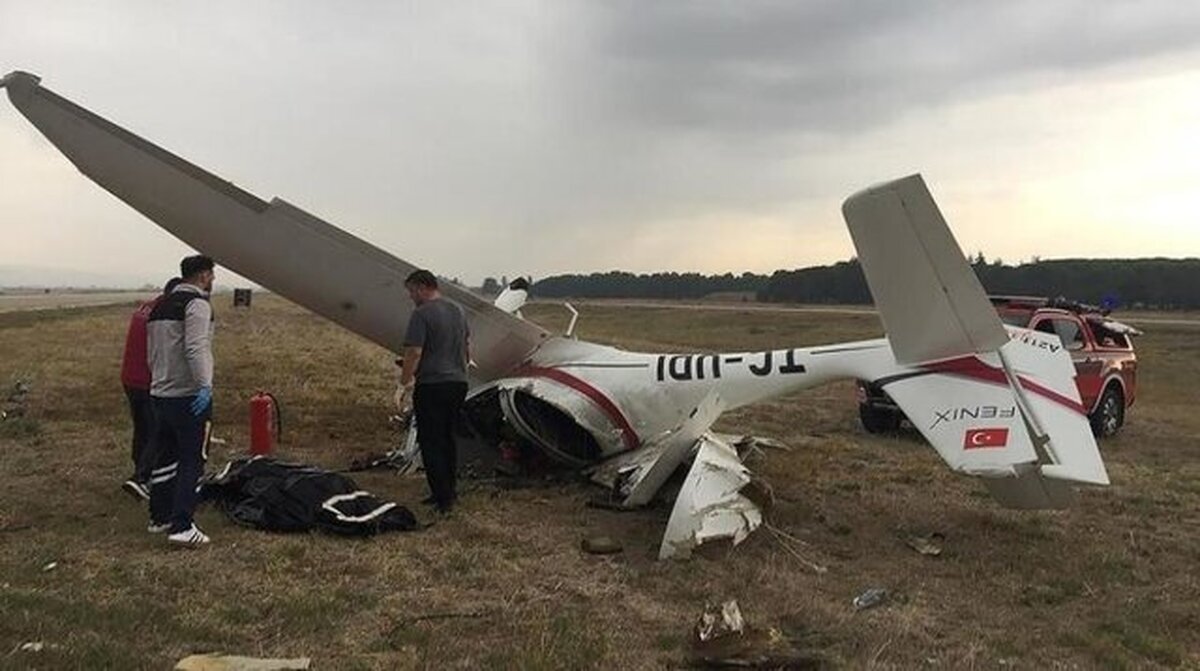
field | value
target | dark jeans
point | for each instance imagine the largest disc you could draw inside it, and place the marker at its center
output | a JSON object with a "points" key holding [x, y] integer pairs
{"points": [[438, 406], [142, 452], [182, 442]]}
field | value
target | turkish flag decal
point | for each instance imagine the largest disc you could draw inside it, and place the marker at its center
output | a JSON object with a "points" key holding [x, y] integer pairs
{"points": [[976, 438]]}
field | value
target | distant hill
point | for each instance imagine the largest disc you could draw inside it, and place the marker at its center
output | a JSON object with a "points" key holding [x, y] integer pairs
{"points": [[1156, 282]]}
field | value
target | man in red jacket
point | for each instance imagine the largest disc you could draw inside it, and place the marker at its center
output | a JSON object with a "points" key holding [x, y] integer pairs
{"points": [[135, 377]]}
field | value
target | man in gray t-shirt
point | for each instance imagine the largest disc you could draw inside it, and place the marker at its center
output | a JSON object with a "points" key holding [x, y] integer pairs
{"points": [[434, 372]]}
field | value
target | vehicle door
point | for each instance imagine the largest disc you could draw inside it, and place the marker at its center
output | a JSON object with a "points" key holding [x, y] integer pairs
{"points": [[1114, 352], [1074, 336]]}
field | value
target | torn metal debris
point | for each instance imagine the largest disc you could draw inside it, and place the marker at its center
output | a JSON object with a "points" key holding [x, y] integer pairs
{"points": [[716, 622], [871, 598], [929, 545], [38, 646], [710, 505], [723, 640], [219, 662]]}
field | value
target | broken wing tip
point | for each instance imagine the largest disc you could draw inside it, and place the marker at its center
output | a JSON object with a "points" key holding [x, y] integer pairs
{"points": [[17, 75]]}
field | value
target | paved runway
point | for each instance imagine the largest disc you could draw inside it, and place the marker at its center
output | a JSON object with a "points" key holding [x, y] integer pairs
{"points": [[16, 302], [730, 307], [40, 301]]}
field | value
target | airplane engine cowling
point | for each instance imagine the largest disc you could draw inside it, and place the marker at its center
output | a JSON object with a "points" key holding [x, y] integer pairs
{"points": [[552, 429], [566, 418]]}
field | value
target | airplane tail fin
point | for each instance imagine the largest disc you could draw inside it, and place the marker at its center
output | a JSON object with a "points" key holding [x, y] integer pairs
{"points": [[993, 402]]}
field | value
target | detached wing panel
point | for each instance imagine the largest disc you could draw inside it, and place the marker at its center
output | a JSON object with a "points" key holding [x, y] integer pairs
{"points": [[277, 245], [931, 303]]}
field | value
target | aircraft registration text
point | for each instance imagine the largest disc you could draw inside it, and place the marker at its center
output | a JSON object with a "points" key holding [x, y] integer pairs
{"points": [[688, 367]]}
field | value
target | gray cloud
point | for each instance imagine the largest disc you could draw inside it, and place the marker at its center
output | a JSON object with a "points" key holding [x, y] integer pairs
{"points": [[829, 67], [504, 138]]}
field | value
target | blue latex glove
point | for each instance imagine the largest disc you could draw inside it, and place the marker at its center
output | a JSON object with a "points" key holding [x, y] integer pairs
{"points": [[202, 401]]}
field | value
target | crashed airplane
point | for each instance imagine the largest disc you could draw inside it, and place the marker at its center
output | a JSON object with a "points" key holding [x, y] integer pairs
{"points": [[633, 419]]}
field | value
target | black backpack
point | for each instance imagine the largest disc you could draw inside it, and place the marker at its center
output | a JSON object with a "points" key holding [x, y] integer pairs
{"points": [[263, 493]]}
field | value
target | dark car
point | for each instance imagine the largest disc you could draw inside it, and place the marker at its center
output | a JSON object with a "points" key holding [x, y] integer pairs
{"points": [[1102, 349]]}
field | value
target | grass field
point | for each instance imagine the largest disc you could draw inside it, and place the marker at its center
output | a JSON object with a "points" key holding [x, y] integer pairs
{"points": [[503, 584]]}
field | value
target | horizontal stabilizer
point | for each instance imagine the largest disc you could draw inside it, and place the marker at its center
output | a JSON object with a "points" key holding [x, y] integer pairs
{"points": [[1012, 416], [930, 301], [974, 423]]}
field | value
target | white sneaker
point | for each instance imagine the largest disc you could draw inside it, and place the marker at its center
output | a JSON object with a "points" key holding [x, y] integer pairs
{"points": [[191, 538], [136, 489], [159, 528]]}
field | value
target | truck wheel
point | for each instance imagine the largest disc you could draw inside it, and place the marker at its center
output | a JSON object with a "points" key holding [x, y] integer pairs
{"points": [[1109, 414], [878, 420]]}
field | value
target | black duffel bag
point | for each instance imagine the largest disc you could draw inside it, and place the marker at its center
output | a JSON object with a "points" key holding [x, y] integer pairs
{"points": [[263, 493]]}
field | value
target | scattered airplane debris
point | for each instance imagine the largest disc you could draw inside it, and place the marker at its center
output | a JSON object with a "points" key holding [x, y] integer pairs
{"points": [[600, 545], [876, 596], [929, 545], [219, 662], [749, 442], [14, 404], [710, 505], [38, 646], [722, 639], [717, 621]]}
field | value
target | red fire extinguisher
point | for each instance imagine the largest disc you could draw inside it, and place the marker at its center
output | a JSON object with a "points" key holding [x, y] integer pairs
{"points": [[265, 423]]}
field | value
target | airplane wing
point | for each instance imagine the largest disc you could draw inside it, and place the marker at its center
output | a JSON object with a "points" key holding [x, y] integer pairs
{"points": [[279, 246]]}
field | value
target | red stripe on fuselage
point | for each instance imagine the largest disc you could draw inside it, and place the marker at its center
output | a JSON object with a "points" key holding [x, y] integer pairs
{"points": [[628, 435], [969, 366]]}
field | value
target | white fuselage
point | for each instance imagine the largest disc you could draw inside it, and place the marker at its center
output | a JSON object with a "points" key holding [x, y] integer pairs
{"points": [[630, 399]]}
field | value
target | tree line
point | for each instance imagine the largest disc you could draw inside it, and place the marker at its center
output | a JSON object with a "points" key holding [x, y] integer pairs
{"points": [[1156, 282], [618, 284]]}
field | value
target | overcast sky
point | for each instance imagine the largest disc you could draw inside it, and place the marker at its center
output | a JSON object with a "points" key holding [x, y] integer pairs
{"points": [[540, 138]]}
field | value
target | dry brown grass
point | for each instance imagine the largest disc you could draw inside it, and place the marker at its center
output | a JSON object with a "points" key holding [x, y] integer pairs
{"points": [[1109, 584]]}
